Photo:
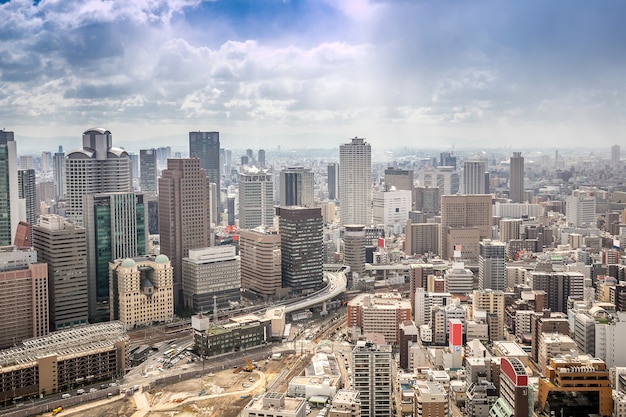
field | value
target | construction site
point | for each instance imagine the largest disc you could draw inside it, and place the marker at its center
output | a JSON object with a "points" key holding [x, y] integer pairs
{"points": [[223, 393]]}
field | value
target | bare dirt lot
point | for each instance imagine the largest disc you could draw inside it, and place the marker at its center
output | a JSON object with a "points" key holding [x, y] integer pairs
{"points": [[223, 394]]}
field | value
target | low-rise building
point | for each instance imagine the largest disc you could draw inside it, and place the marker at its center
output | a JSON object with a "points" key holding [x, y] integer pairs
{"points": [[431, 400], [274, 404], [241, 332], [576, 385], [346, 403], [64, 360]]}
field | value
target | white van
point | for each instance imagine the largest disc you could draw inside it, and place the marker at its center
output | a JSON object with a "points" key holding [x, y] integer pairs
{"points": [[65, 396]]}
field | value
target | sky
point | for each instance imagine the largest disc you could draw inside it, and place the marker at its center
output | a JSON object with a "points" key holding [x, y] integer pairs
{"points": [[314, 73]]}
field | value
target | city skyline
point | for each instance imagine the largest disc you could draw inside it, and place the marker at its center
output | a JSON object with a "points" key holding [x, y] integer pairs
{"points": [[299, 72]]}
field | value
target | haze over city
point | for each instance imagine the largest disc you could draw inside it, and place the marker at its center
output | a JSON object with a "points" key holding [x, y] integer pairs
{"points": [[304, 73]]}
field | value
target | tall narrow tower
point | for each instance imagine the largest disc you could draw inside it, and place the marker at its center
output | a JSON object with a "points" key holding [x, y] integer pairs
{"points": [[474, 176], [256, 200], [148, 172], [184, 214], [516, 178], [373, 378], [296, 187], [333, 180], [26, 185], [206, 146], [58, 172], [355, 182], [97, 167], [9, 202], [63, 246]]}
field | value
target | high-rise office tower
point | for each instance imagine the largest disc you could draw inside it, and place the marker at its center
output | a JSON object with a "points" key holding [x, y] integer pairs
{"points": [[141, 290], [373, 378], [97, 167], [421, 238], [296, 187], [23, 296], [615, 156], [261, 262], [516, 178], [63, 246], [256, 200], [163, 154], [510, 229], [580, 209], [354, 249], [355, 182], [426, 199], [262, 158], [474, 176], [446, 159], [134, 166], [58, 173], [491, 265], [445, 178], [117, 228], [212, 278], [206, 146], [27, 192], [10, 214], [400, 179], [44, 162], [460, 215], [333, 181], [302, 249], [184, 214], [559, 287], [148, 171]]}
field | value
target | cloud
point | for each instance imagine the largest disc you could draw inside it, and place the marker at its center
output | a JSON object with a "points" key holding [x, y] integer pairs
{"points": [[309, 64]]}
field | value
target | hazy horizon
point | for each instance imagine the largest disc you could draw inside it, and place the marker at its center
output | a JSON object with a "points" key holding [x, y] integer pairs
{"points": [[291, 73]]}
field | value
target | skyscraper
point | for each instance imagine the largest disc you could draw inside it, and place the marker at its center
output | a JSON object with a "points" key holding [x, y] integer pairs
{"points": [[27, 192], [261, 158], [97, 167], [23, 296], [148, 172], [516, 178], [9, 190], [354, 249], [400, 179], [256, 199], [206, 146], [464, 214], [117, 228], [474, 176], [491, 265], [333, 181], [212, 278], [355, 182], [302, 249], [373, 378], [615, 156], [296, 187], [58, 172], [261, 268], [580, 209], [63, 246], [184, 214]]}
